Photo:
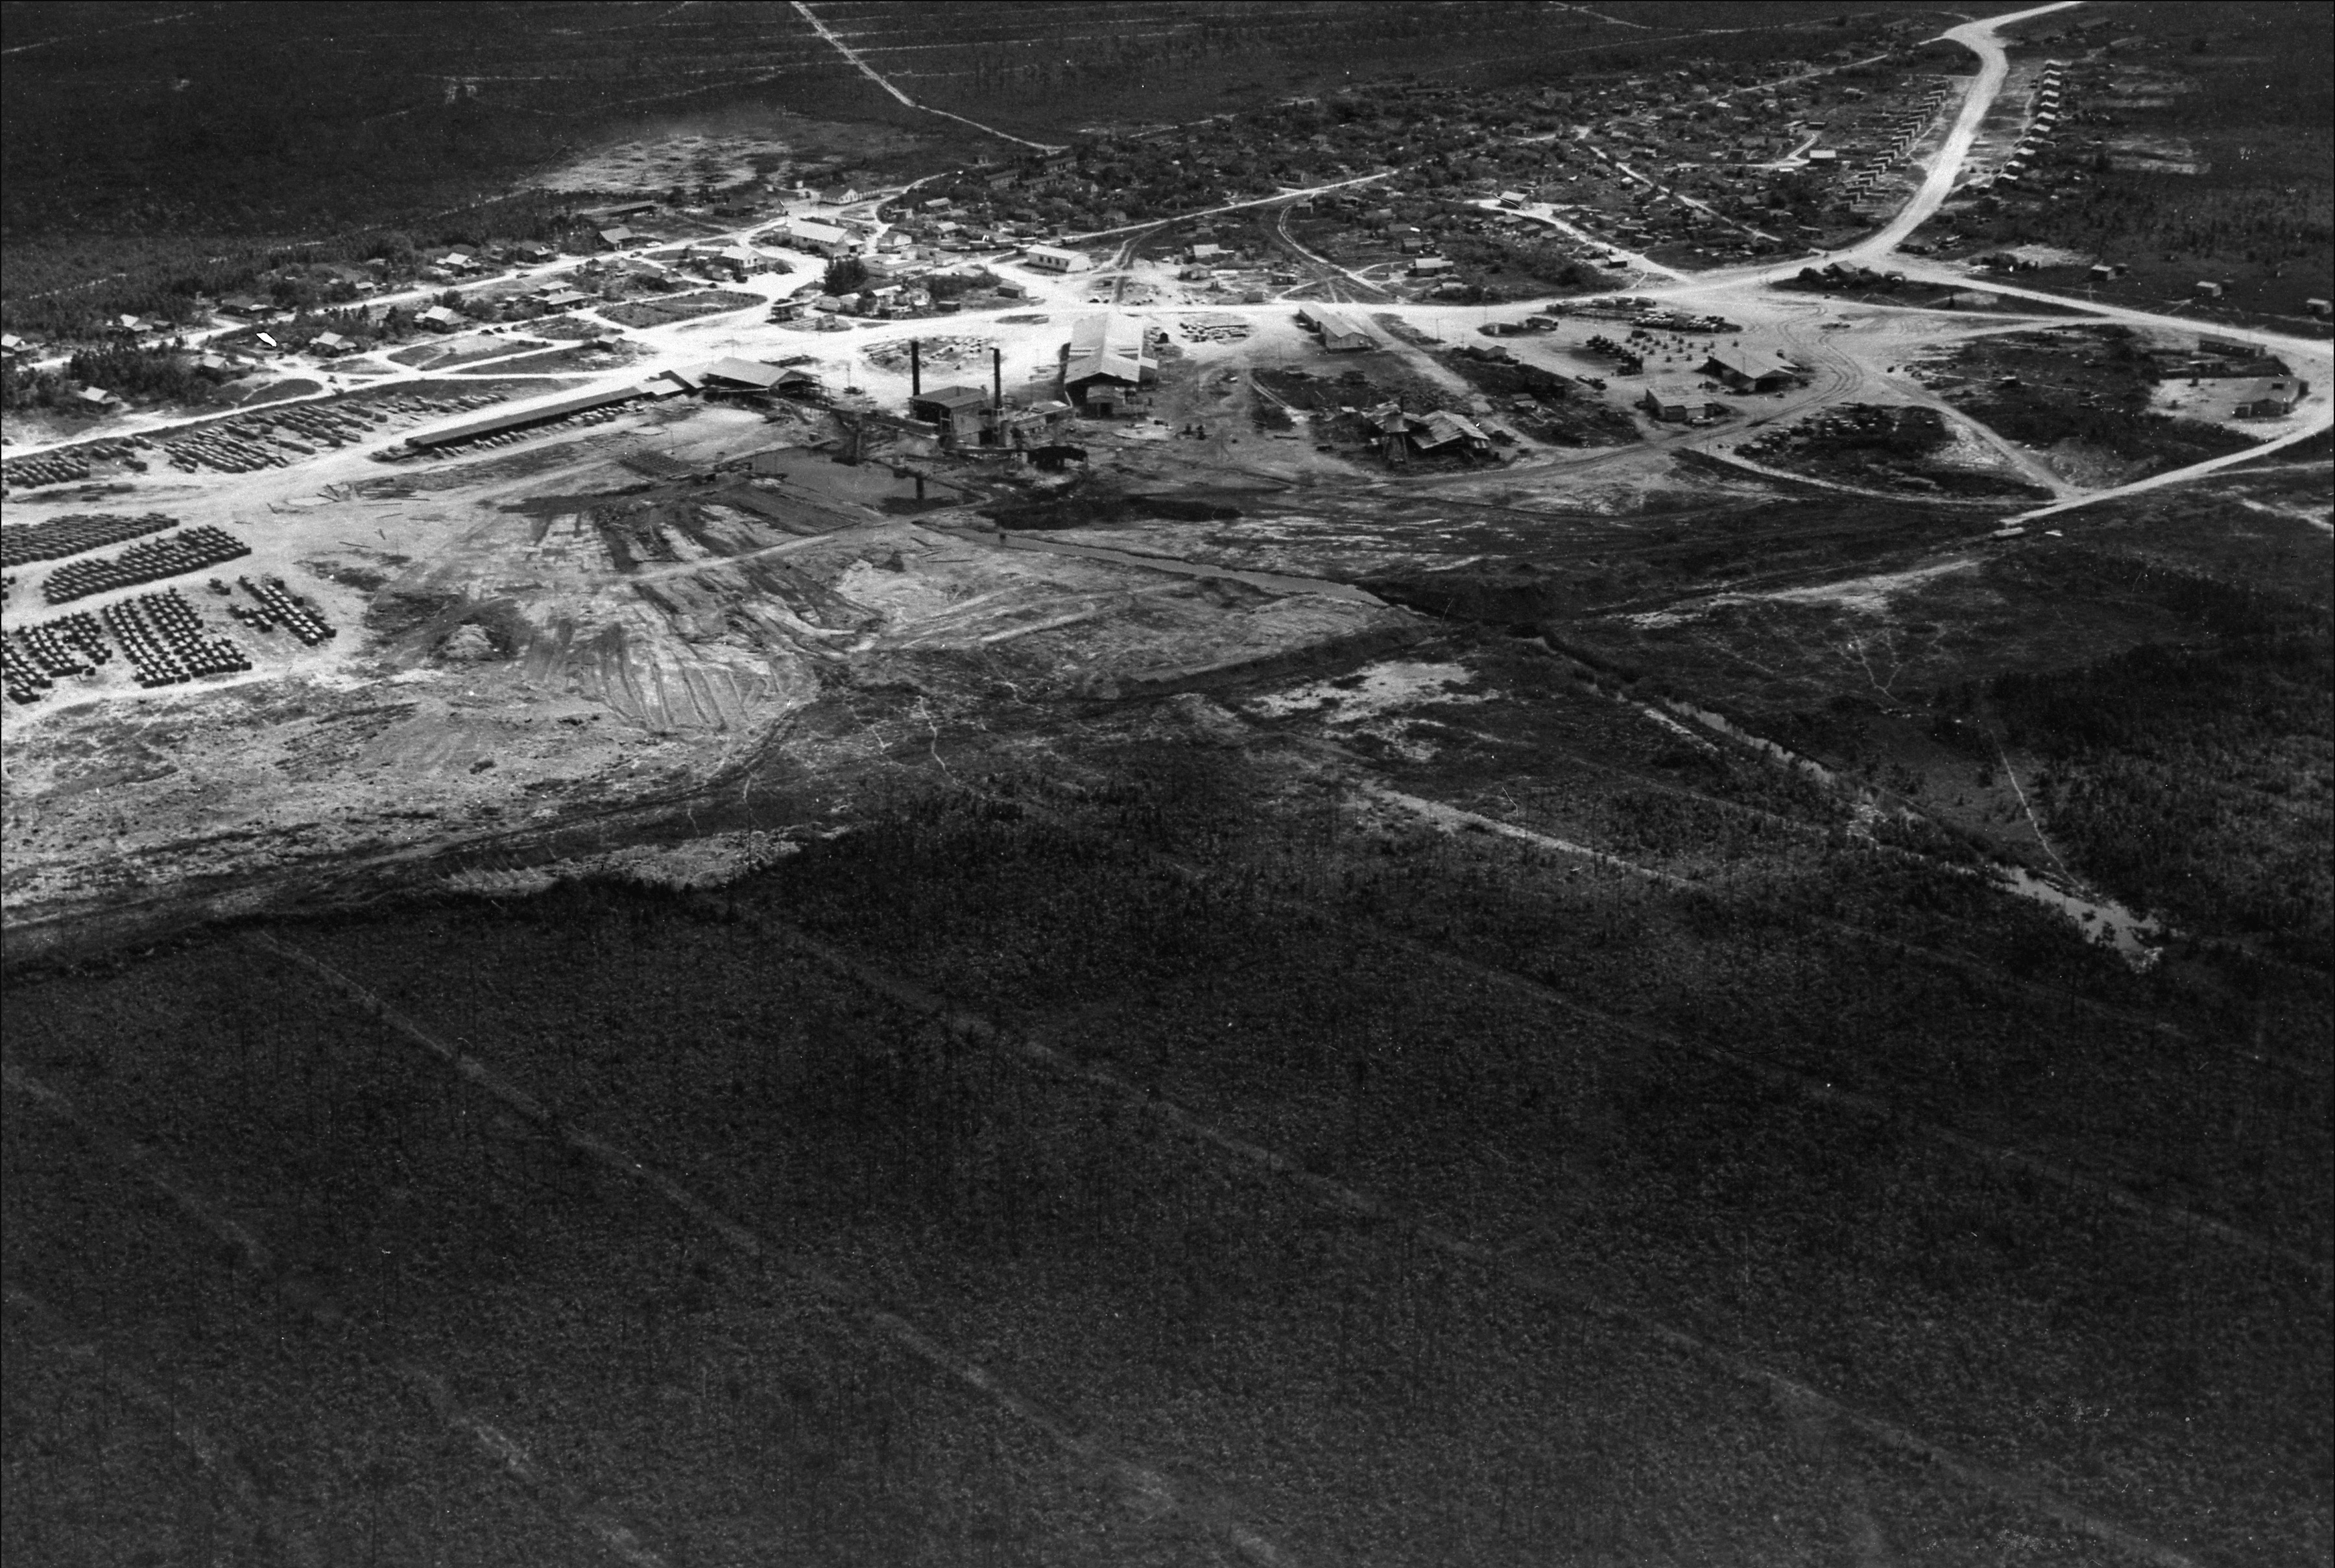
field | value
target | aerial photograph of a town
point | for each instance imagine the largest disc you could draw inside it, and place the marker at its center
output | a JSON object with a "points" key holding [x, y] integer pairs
{"points": [[1287, 783]]}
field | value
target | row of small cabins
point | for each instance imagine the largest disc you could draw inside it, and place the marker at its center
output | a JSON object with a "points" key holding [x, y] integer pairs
{"points": [[2042, 127]]}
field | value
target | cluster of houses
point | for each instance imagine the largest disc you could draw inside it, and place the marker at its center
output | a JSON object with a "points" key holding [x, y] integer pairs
{"points": [[1708, 147], [2082, 31], [1897, 144], [1674, 400]]}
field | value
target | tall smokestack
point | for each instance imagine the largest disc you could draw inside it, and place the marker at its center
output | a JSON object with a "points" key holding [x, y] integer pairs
{"points": [[996, 379], [916, 370]]}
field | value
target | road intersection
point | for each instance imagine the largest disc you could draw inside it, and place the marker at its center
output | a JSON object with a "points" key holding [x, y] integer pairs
{"points": [[1744, 291]]}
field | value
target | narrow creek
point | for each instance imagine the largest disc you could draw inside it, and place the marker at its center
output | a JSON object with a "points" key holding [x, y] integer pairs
{"points": [[2138, 938]]}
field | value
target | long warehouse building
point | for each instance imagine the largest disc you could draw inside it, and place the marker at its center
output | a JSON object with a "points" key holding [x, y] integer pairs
{"points": [[518, 419]]}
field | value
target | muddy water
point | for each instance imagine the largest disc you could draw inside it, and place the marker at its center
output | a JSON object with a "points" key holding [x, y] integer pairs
{"points": [[869, 484], [1270, 582], [2135, 937]]}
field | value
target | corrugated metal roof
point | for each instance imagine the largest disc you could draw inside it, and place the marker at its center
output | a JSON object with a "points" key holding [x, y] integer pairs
{"points": [[817, 233], [1107, 345], [744, 372], [1333, 323], [954, 397], [2281, 389], [517, 419], [1735, 362], [1443, 426]]}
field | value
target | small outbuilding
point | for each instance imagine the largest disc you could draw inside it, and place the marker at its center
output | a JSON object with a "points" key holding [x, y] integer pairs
{"points": [[1677, 402]]}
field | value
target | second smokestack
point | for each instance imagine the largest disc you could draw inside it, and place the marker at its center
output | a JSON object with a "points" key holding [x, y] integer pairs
{"points": [[916, 370]]}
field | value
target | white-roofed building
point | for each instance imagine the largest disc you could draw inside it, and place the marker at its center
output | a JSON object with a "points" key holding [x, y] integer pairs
{"points": [[1106, 358], [827, 240], [1054, 259], [1341, 334], [2271, 398], [740, 374]]}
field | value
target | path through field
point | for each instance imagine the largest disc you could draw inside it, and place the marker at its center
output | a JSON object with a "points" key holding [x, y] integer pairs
{"points": [[869, 72]]}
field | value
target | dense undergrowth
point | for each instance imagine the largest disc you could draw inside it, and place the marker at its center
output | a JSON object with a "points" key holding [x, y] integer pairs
{"points": [[2195, 777], [1242, 935]]}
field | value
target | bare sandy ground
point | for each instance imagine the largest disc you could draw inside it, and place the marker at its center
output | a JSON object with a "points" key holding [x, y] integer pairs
{"points": [[500, 669]]}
